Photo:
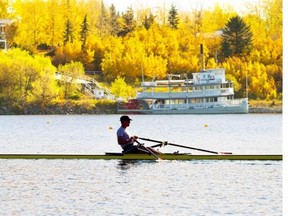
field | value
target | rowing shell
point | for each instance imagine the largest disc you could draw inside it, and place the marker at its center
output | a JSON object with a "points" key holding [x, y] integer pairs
{"points": [[119, 156]]}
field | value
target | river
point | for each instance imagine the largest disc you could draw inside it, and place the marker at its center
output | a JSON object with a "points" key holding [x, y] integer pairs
{"points": [[98, 187]]}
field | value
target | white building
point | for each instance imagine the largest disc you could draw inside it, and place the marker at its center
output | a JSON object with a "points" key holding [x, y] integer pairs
{"points": [[3, 24]]}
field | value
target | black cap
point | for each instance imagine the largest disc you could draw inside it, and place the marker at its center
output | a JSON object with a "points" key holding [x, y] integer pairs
{"points": [[125, 118]]}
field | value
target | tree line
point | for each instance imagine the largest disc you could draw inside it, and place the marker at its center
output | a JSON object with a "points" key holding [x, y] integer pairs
{"points": [[132, 45]]}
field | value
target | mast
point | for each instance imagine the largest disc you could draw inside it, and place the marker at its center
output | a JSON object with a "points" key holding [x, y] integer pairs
{"points": [[202, 58]]}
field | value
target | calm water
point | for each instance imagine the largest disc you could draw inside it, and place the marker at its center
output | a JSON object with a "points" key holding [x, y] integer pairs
{"points": [[98, 187]]}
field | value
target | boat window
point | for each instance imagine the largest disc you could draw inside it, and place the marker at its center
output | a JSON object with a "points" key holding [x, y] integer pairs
{"points": [[180, 101], [197, 100], [209, 100]]}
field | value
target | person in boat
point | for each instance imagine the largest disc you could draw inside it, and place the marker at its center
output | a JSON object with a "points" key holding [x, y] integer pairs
{"points": [[127, 142]]}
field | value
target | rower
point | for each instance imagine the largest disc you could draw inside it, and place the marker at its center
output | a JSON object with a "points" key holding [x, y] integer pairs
{"points": [[126, 141]]}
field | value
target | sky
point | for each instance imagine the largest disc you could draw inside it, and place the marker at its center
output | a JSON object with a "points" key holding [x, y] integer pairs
{"points": [[181, 5]]}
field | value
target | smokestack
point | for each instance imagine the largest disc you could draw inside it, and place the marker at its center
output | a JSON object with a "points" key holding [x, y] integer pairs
{"points": [[202, 57]]}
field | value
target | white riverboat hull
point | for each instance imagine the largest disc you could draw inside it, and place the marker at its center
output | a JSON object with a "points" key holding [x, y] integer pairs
{"points": [[213, 110]]}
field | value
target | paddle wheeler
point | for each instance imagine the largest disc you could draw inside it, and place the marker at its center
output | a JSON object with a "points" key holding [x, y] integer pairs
{"points": [[150, 155], [204, 92]]}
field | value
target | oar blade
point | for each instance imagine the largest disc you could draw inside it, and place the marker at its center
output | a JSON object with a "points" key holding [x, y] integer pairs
{"points": [[224, 153]]}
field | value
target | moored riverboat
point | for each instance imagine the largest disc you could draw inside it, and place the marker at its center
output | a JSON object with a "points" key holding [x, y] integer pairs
{"points": [[207, 92]]}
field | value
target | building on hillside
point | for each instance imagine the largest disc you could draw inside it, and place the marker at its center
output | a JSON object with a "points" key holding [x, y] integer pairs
{"points": [[3, 40]]}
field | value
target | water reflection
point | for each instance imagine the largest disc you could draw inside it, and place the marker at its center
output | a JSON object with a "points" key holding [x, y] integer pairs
{"points": [[127, 164]]}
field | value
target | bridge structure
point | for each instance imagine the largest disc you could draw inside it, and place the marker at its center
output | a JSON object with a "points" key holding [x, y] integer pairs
{"points": [[90, 86]]}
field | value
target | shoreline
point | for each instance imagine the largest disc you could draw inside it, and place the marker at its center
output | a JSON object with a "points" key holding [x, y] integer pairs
{"points": [[70, 109], [275, 110]]}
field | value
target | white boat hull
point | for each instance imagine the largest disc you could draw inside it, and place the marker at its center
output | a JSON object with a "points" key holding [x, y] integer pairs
{"points": [[214, 110]]}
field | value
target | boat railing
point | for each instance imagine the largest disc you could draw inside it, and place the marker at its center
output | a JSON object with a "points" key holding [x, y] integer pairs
{"points": [[229, 103], [188, 94], [237, 102], [169, 106]]}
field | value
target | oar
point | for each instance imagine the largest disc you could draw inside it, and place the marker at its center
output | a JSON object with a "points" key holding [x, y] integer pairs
{"points": [[182, 146], [147, 149]]}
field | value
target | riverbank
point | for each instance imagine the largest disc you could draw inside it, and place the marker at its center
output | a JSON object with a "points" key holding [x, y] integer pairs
{"points": [[256, 106], [105, 107], [265, 110], [62, 108]]}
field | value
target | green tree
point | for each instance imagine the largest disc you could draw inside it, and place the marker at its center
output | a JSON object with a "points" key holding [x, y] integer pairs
{"points": [[113, 20], [236, 38], [127, 23], [173, 18], [84, 32], [103, 22], [149, 21], [68, 33]]}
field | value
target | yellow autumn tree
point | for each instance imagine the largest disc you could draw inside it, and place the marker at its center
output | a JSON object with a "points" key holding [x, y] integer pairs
{"points": [[72, 52], [45, 89], [70, 72], [112, 59], [31, 29], [25, 78], [121, 89], [151, 52]]}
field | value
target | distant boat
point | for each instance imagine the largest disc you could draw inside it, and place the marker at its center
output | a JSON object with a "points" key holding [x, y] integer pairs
{"points": [[207, 92]]}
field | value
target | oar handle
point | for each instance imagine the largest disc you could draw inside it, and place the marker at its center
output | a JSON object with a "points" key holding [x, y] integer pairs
{"points": [[150, 140], [157, 145], [147, 149], [161, 144]]}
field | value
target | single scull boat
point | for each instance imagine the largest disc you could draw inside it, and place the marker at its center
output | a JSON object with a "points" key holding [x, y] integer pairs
{"points": [[164, 156]]}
